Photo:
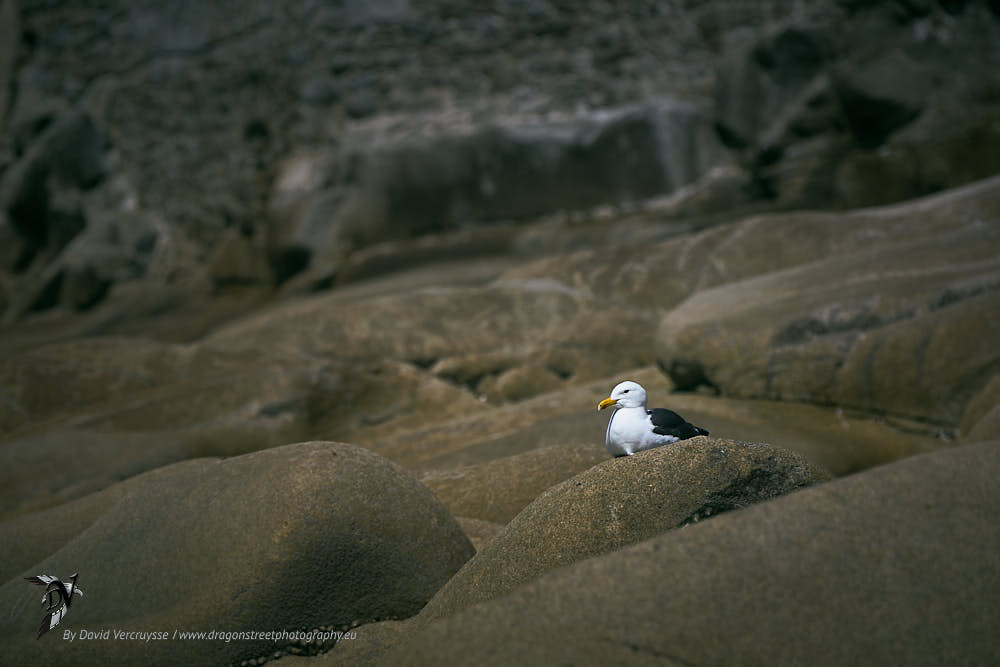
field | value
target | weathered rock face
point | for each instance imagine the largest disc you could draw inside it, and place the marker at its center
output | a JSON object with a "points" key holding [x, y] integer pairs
{"points": [[353, 368], [113, 408], [68, 154], [521, 171], [255, 540], [807, 578], [866, 107], [904, 327], [510, 437], [332, 128], [348, 364], [665, 273], [821, 281], [365, 93], [620, 502], [469, 335]]}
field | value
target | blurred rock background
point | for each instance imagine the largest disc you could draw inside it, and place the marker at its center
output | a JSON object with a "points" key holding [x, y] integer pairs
{"points": [[157, 156]]}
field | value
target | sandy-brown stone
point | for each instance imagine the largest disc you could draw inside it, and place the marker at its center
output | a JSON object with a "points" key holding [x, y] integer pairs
{"points": [[893, 565], [620, 502], [288, 538]]}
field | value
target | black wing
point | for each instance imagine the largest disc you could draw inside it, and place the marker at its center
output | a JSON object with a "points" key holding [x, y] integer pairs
{"points": [[668, 422]]}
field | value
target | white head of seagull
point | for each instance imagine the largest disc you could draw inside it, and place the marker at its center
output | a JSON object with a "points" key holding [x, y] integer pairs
{"points": [[626, 394], [633, 428]]}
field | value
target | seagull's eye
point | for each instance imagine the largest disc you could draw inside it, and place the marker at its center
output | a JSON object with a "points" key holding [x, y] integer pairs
{"points": [[625, 392]]}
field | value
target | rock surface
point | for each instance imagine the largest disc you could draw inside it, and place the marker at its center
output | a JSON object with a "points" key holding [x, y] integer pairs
{"points": [[981, 420], [824, 566], [497, 490], [442, 233], [31, 536], [667, 272], [879, 328], [478, 531], [841, 441], [858, 112], [366, 648], [620, 502], [360, 127], [288, 538]]}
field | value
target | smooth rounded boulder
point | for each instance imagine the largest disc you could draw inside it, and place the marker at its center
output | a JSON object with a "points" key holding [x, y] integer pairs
{"points": [[620, 502], [295, 538], [896, 565]]}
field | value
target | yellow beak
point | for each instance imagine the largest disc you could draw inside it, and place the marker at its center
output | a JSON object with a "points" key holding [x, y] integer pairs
{"points": [[607, 402]]}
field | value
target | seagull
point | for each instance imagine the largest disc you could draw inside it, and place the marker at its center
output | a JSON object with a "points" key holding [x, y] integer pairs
{"points": [[633, 428]]}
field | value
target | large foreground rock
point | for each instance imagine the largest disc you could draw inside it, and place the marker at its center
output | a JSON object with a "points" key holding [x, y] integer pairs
{"points": [[896, 565], [620, 502], [298, 537]]}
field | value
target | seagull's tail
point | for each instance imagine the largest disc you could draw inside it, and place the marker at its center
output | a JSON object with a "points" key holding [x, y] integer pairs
{"points": [[700, 430]]}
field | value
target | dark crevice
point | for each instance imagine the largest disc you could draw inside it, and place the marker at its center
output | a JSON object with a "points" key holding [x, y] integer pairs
{"points": [[648, 650], [759, 485], [470, 382], [424, 362], [256, 130], [687, 375], [49, 295], [325, 283], [563, 373], [289, 262], [729, 138], [277, 409], [809, 327]]}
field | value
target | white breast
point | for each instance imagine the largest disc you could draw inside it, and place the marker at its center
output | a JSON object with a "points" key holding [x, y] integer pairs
{"points": [[630, 430]]}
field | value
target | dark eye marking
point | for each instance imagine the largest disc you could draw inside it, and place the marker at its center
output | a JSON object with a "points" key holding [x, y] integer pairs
{"points": [[625, 392]]}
